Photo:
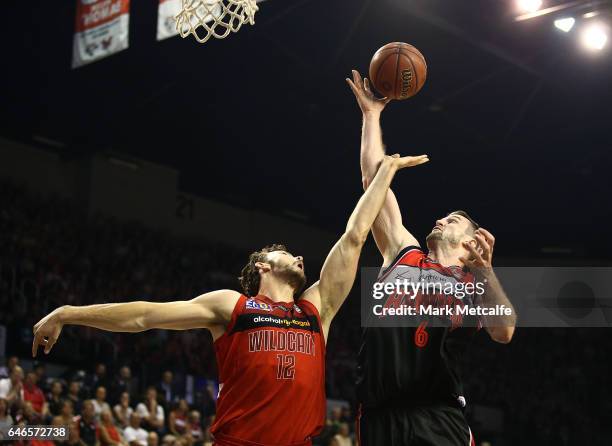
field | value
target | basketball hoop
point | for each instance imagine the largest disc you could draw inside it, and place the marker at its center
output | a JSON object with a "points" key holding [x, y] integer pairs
{"points": [[214, 18]]}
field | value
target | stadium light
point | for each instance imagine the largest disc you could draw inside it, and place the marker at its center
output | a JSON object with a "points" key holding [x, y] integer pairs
{"points": [[565, 24], [529, 5], [594, 37], [590, 15]]}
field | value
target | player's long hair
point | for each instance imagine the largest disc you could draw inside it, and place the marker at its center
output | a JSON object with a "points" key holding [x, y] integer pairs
{"points": [[249, 276]]}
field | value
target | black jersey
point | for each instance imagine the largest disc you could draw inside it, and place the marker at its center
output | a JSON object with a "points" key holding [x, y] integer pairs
{"points": [[403, 366]]}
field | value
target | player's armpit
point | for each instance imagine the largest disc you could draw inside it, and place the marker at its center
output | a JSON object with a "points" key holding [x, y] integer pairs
{"points": [[313, 295], [337, 278], [389, 232]]}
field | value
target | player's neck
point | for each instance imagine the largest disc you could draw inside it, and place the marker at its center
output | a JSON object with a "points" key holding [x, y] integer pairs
{"points": [[445, 255], [277, 291]]}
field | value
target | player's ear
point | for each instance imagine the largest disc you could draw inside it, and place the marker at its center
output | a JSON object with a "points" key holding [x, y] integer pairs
{"points": [[262, 267], [474, 244]]}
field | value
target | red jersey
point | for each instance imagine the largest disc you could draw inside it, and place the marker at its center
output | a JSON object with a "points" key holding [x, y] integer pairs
{"points": [[271, 362]]}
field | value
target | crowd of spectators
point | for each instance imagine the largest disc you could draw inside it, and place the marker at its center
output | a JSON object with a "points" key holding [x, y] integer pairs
{"points": [[102, 411], [109, 412], [549, 385]]}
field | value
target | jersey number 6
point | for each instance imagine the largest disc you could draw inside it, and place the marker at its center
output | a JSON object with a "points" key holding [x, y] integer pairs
{"points": [[421, 336]]}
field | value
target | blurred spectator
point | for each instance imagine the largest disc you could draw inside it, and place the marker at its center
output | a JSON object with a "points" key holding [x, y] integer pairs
{"points": [[123, 383], [11, 362], [86, 427], [54, 397], [74, 395], [177, 421], [150, 411], [6, 420], [205, 401], [167, 389], [342, 438], [347, 415], [123, 411], [100, 403], [335, 416], [66, 418], [207, 434], [12, 388], [134, 434], [194, 427], [152, 439], [107, 432], [35, 396], [66, 414], [97, 379], [28, 414]]}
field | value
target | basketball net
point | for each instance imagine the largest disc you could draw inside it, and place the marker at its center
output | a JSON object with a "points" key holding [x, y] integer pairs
{"points": [[214, 18]]}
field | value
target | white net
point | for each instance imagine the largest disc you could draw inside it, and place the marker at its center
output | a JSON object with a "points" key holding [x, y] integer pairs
{"points": [[214, 18]]}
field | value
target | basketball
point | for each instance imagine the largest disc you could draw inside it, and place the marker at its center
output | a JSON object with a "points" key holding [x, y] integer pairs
{"points": [[398, 70]]}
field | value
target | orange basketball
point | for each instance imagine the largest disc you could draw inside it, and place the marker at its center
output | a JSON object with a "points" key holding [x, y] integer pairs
{"points": [[398, 70]]}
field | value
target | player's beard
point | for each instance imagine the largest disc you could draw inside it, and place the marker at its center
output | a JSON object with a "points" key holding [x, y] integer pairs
{"points": [[436, 237], [295, 278]]}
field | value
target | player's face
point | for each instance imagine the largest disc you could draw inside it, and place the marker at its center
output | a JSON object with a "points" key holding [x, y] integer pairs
{"points": [[288, 268], [452, 229], [284, 259]]}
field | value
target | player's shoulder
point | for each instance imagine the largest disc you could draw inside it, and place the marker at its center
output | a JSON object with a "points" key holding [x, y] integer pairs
{"points": [[221, 302], [224, 296]]}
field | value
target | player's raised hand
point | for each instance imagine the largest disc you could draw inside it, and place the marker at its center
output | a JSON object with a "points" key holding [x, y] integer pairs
{"points": [[401, 162], [46, 332], [480, 257], [366, 99]]}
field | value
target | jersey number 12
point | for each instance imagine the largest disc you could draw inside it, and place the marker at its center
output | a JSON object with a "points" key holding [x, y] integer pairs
{"points": [[285, 368]]}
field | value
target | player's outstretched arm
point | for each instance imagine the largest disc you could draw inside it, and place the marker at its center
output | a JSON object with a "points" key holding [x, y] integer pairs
{"points": [[388, 229], [205, 311], [340, 267]]}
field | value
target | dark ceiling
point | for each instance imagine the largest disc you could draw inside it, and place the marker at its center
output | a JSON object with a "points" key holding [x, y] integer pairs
{"points": [[515, 117]]}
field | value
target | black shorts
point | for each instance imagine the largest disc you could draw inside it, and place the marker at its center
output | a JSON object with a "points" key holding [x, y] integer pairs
{"points": [[425, 425]]}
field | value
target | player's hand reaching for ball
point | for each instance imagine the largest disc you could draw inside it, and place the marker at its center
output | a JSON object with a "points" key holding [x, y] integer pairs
{"points": [[46, 332], [366, 99]]}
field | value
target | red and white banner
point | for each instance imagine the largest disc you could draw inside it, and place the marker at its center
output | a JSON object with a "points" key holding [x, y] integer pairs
{"points": [[102, 29]]}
